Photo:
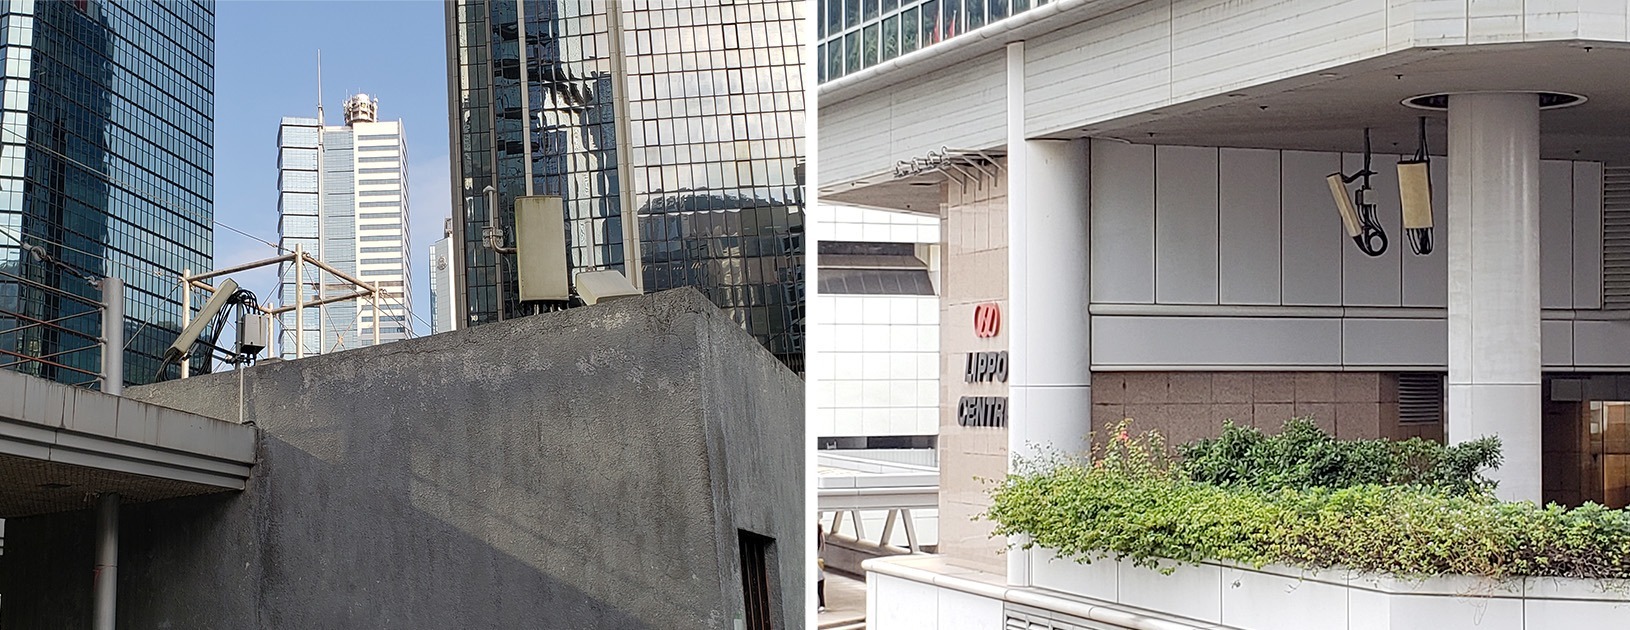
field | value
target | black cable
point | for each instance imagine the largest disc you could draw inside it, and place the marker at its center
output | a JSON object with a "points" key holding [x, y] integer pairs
{"points": [[131, 189], [1420, 239], [1420, 148], [1371, 231], [1372, 238], [242, 298], [39, 252]]}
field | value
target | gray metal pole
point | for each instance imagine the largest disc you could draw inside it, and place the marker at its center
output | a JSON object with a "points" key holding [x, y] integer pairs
{"points": [[186, 315], [496, 245], [107, 561], [113, 336], [299, 302]]}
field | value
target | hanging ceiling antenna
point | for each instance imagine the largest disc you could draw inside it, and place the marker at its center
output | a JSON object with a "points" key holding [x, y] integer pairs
{"points": [[1358, 211], [1415, 193]]}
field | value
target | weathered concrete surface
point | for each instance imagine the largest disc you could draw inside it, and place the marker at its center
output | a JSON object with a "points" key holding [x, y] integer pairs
{"points": [[586, 469]]}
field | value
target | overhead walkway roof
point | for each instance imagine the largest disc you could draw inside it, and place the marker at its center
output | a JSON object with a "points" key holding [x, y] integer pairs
{"points": [[848, 482], [60, 446]]}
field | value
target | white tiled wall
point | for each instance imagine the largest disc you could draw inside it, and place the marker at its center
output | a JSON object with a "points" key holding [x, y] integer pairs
{"points": [[850, 223], [874, 360]]}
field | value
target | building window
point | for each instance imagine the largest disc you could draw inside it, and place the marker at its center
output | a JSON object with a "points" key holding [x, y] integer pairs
{"points": [[875, 282]]}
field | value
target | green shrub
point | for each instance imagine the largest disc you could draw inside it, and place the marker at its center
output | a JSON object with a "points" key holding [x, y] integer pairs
{"points": [[1130, 502], [1303, 457]]}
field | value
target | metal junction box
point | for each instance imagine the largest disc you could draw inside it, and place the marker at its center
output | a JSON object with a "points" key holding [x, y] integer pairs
{"points": [[254, 333]]}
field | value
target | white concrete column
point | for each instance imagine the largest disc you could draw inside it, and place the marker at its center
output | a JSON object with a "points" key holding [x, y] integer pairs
{"points": [[1494, 357], [1049, 393], [113, 336]]}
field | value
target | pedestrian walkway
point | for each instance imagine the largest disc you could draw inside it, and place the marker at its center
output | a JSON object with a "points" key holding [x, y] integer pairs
{"points": [[845, 603]]}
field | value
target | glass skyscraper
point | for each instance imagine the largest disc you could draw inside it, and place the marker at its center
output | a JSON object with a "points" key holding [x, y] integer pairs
{"points": [[673, 130], [105, 164]]}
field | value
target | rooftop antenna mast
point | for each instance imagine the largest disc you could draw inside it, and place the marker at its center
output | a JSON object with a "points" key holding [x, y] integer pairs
{"points": [[299, 270]]}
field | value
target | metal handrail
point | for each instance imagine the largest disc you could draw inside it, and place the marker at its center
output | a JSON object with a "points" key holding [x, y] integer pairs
{"points": [[54, 354], [51, 323], [33, 359], [92, 340], [57, 290]]}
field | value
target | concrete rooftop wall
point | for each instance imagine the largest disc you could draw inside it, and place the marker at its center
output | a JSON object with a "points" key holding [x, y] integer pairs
{"points": [[585, 469]]}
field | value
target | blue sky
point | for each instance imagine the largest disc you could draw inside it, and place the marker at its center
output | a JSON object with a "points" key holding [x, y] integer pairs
{"points": [[266, 68]]}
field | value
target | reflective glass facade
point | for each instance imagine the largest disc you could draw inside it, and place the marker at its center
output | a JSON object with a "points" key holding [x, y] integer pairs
{"points": [[858, 34], [105, 162], [692, 121]]}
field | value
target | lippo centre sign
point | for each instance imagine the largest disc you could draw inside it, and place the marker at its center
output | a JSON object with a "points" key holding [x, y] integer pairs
{"points": [[984, 367]]}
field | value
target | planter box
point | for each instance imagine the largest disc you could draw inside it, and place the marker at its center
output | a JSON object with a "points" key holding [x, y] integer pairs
{"points": [[1285, 598]]}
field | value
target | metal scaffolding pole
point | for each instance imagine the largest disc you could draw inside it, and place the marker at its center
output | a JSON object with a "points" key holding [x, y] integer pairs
{"points": [[299, 302]]}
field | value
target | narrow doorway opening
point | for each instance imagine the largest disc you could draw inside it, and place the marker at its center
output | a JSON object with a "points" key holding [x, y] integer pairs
{"points": [[756, 552]]}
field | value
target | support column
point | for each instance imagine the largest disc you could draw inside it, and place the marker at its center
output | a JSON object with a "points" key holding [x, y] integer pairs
{"points": [[1049, 376], [113, 336], [1494, 307], [106, 576]]}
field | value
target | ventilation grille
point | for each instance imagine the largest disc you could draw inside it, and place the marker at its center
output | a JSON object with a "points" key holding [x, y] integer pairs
{"points": [[1616, 237], [1420, 398], [1025, 622]]}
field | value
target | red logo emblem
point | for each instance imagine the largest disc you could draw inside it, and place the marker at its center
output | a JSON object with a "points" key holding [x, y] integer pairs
{"points": [[987, 320]]}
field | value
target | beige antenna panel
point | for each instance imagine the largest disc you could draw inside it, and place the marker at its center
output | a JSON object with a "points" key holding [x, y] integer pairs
{"points": [[1415, 193], [1344, 205], [540, 243]]}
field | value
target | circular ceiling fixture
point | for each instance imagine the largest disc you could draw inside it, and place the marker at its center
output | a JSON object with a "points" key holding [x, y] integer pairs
{"points": [[1440, 102]]}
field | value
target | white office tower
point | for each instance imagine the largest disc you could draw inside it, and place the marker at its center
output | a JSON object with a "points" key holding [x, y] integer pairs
{"points": [[342, 197], [442, 281]]}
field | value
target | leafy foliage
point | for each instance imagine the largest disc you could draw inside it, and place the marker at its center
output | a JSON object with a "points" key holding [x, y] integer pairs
{"points": [[1303, 457], [1429, 515]]}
